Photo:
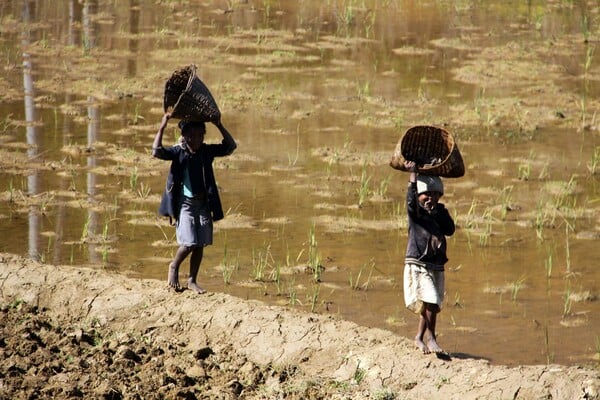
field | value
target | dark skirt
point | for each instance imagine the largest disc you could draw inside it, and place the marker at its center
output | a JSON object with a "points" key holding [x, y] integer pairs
{"points": [[194, 227]]}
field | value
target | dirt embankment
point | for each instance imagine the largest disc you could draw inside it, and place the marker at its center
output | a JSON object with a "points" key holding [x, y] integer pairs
{"points": [[74, 332]]}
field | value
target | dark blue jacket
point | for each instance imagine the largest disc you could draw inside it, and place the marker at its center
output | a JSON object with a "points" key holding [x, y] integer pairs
{"points": [[427, 232], [201, 175]]}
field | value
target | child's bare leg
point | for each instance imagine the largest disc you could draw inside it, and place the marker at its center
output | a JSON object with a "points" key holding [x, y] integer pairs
{"points": [[431, 311], [420, 334], [173, 277], [195, 261]]}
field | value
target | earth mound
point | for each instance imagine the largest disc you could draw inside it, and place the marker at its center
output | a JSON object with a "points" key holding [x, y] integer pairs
{"points": [[76, 332]]}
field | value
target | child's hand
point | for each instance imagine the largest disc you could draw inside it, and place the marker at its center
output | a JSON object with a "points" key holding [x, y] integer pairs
{"points": [[410, 166], [166, 117]]}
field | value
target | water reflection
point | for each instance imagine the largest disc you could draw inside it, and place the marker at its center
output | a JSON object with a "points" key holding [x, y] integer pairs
{"points": [[93, 119], [74, 16], [89, 37], [134, 29], [32, 134]]}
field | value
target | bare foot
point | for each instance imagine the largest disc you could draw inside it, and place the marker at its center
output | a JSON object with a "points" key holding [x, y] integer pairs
{"points": [[194, 286], [173, 278], [434, 347], [421, 346]]}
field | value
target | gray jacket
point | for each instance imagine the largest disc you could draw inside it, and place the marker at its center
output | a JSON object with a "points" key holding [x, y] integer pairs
{"points": [[427, 232]]}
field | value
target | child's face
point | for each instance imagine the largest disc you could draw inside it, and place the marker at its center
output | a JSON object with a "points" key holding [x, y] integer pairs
{"points": [[429, 200], [194, 137]]}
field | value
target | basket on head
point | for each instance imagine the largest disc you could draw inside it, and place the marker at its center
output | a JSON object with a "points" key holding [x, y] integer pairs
{"points": [[188, 98], [432, 148]]}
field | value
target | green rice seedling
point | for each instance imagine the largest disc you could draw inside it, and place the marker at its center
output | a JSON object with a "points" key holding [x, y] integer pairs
{"points": [[144, 191], [55, 111], [563, 193], [276, 277], [48, 250], [371, 19], [398, 211], [540, 220], [585, 28], [597, 343], [6, 122], [355, 282], [85, 232], [133, 179], [293, 294], [346, 17], [452, 321], [163, 232], [481, 107], [105, 230], [549, 354], [538, 19], [567, 250], [105, 249], [383, 186], [367, 283], [292, 161], [260, 261], [359, 374], [314, 258], [115, 208], [287, 255], [45, 202], [544, 172], [363, 90], [516, 288], [505, 200], [228, 268], [470, 218], [421, 92], [11, 191], [548, 266], [314, 296], [364, 191], [137, 117], [524, 172], [484, 236], [457, 301], [567, 302], [583, 109], [72, 175], [594, 163]]}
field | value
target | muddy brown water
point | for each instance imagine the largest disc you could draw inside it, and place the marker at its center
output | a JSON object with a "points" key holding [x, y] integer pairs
{"points": [[317, 94]]}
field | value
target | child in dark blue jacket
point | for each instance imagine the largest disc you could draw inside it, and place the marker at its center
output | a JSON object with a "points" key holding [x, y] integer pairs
{"points": [[191, 196], [428, 225]]}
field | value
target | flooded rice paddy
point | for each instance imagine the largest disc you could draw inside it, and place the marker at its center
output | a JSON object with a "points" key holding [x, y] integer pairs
{"points": [[317, 94]]}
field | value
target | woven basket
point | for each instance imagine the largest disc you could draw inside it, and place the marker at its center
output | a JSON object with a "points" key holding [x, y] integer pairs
{"points": [[188, 98], [432, 148]]}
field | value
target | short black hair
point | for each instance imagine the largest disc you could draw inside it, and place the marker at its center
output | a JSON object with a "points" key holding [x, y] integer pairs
{"points": [[187, 125]]}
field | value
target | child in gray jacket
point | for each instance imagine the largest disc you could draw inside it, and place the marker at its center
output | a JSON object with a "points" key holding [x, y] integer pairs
{"points": [[428, 225]]}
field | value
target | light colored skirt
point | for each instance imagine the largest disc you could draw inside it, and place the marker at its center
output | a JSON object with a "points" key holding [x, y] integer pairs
{"points": [[194, 226], [422, 285]]}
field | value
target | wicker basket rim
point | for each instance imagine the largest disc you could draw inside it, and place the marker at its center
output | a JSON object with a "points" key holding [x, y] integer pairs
{"points": [[448, 138]]}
